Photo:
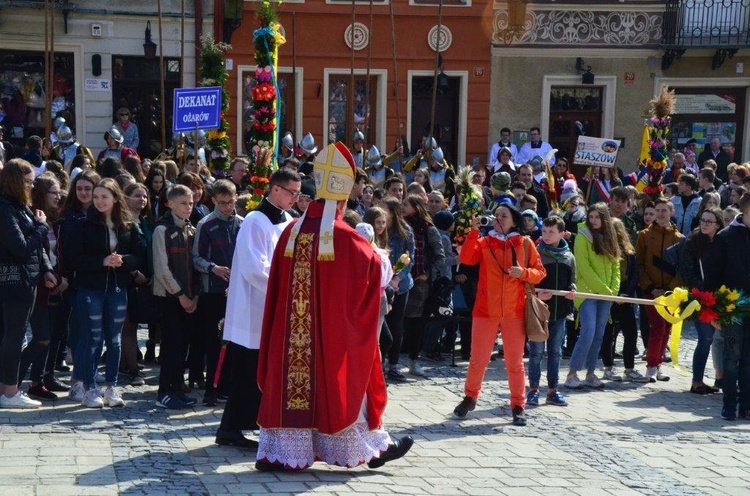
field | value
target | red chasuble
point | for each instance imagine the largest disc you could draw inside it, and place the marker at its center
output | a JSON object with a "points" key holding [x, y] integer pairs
{"points": [[319, 352]]}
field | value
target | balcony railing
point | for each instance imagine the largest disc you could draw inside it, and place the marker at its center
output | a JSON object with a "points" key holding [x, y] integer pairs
{"points": [[723, 25], [706, 24]]}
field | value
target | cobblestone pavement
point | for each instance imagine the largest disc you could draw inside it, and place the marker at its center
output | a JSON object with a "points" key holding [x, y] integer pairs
{"points": [[651, 439]]}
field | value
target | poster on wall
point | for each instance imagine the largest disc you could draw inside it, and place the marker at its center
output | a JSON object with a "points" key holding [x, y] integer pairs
{"points": [[705, 104]]}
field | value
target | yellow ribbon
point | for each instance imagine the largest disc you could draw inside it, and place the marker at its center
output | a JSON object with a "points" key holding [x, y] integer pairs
{"points": [[668, 306], [279, 40]]}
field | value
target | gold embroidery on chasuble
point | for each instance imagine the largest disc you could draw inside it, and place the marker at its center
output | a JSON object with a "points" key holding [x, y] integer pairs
{"points": [[300, 324]]}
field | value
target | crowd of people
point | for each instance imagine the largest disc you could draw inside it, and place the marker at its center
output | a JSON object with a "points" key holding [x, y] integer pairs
{"points": [[92, 249]]}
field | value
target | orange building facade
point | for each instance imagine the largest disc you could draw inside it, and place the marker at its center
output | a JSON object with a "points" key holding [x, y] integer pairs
{"points": [[321, 94]]}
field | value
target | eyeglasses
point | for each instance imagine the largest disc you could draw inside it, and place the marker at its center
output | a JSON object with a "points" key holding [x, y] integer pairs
{"points": [[295, 194], [124, 115], [707, 222], [229, 203], [54, 193]]}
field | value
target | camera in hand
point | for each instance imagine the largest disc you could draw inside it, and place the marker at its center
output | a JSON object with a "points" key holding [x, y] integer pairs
{"points": [[486, 220]]}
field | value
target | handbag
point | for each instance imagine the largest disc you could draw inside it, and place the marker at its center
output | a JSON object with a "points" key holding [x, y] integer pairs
{"points": [[536, 312]]}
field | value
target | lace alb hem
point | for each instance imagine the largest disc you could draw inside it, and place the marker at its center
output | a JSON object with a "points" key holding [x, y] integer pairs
{"points": [[298, 449]]}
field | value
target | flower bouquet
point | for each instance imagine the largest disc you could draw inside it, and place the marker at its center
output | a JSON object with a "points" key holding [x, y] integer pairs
{"points": [[721, 307], [470, 204], [401, 263]]}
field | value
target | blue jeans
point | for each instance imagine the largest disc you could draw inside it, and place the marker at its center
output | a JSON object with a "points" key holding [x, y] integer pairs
{"points": [[702, 349], [554, 352], [593, 316], [102, 314], [736, 367]]}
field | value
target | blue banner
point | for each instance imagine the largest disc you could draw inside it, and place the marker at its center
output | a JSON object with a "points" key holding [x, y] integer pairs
{"points": [[196, 106]]}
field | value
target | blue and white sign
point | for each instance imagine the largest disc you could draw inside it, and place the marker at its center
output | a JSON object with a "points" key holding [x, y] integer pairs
{"points": [[196, 108]]}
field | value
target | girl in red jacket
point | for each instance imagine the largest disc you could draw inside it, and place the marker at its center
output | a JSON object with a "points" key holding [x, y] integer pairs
{"points": [[507, 261]]}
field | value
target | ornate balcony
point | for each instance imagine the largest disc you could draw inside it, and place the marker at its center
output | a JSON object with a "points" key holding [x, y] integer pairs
{"points": [[723, 25]]}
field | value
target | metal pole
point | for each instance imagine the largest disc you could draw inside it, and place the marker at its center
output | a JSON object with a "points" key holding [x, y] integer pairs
{"points": [[367, 83], [294, 74], [395, 69], [182, 41], [161, 78], [437, 67], [350, 93], [47, 68]]}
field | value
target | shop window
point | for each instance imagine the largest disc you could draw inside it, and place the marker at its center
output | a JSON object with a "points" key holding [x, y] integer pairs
{"points": [[705, 113], [350, 108], [285, 100], [136, 85], [23, 93]]}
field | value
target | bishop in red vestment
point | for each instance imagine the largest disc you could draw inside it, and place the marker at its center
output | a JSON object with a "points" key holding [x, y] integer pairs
{"points": [[320, 367]]}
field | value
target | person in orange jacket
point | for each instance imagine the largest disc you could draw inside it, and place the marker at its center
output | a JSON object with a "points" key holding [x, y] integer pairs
{"points": [[507, 261]]}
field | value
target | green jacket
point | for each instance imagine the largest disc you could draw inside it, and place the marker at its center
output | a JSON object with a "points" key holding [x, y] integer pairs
{"points": [[597, 274]]}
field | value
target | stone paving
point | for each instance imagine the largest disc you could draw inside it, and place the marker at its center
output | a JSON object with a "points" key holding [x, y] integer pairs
{"points": [[651, 439]]}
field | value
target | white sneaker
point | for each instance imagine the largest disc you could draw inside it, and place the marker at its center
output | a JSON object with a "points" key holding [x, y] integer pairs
{"points": [[610, 373], [634, 376], [99, 377], [660, 376], [573, 382], [112, 397], [593, 381], [91, 399], [18, 400], [416, 369], [76, 392], [651, 374]]}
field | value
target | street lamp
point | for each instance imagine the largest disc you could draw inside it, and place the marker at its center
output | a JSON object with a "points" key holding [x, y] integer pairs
{"points": [[233, 11], [149, 47]]}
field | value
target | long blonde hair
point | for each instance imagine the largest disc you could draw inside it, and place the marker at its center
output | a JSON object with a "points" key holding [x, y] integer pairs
{"points": [[623, 238]]}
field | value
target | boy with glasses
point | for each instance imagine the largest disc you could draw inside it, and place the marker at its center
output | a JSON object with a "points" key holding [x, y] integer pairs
{"points": [[213, 249]]}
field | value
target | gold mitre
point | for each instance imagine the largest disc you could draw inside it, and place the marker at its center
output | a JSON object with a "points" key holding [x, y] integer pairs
{"points": [[333, 171]]}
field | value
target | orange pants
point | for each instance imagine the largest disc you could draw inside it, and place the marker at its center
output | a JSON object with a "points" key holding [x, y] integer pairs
{"points": [[483, 335]]}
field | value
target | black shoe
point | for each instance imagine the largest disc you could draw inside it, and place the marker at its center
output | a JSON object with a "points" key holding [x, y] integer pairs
{"points": [[209, 399], [728, 415], [718, 384], [467, 405], [399, 448], [39, 392], [62, 368], [52, 384], [396, 376], [222, 398], [150, 355], [199, 383], [519, 418], [269, 467], [236, 439], [188, 400]]}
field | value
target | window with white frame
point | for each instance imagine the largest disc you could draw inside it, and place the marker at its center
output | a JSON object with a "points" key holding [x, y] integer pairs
{"points": [[351, 107]]}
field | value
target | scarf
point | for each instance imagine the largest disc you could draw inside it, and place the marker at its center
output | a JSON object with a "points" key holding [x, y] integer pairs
{"points": [[554, 252], [503, 237], [419, 228]]}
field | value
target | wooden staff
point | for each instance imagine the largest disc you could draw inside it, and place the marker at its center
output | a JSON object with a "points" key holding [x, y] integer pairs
{"points": [[592, 296]]}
